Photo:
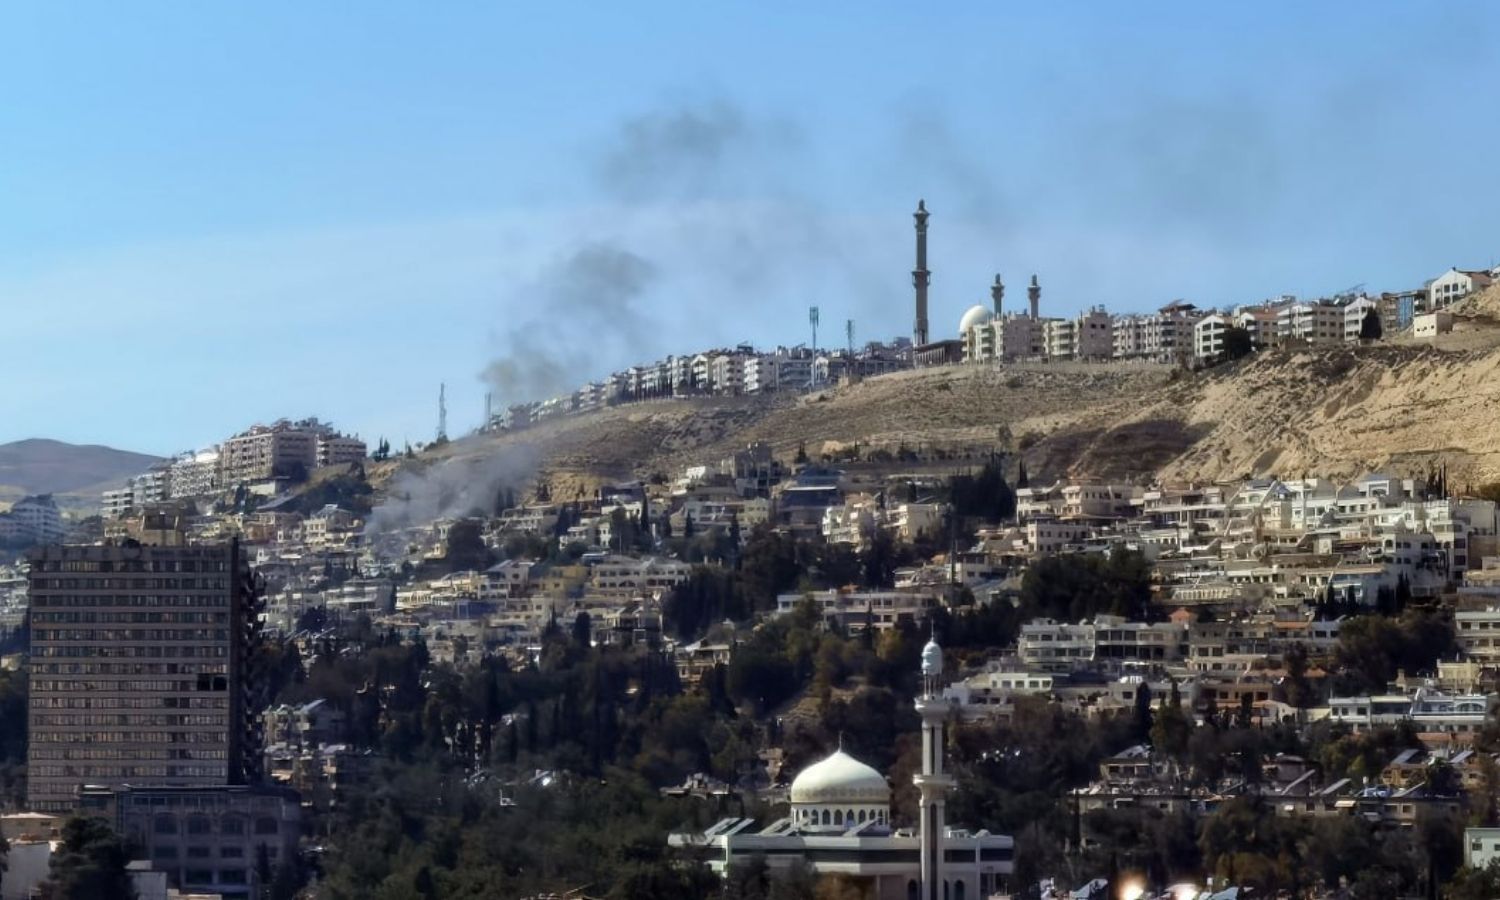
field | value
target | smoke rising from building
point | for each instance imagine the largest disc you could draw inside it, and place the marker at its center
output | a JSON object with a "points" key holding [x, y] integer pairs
{"points": [[580, 307], [450, 488], [700, 220]]}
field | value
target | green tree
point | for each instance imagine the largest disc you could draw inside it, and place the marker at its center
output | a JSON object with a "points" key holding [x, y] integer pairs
{"points": [[1172, 728], [1237, 344], [1142, 717], [1295, 689], [1474, 884], [90, 864]]}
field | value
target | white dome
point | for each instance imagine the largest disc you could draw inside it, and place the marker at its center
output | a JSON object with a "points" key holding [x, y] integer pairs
{"points": [[932, 659], [977, 315], [840, 778]]}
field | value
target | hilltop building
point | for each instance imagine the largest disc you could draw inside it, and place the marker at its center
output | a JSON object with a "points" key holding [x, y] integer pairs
{"points": [[33, 520], [285, 449], [1456, 284], [839, 822]]}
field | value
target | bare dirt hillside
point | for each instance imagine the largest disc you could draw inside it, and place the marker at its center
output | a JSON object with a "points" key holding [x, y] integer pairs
{"points": [[1337, 412], [1334, 411]]}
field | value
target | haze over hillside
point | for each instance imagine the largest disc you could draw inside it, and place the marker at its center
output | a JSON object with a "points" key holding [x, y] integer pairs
{"points": [[76, 472]]}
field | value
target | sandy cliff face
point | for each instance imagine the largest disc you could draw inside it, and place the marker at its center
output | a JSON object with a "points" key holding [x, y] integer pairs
{"points": [[1342, 412]]}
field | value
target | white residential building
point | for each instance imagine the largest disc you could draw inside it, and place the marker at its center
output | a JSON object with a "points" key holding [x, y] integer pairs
{"points": [[38, 519], [1354, 316], [1208, 336], [1454, 284], [1477, 632], [194, 475]]}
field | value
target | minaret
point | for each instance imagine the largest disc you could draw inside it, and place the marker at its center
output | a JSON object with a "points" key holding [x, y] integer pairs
{"points": [[920, 275], [997, 294], [1034, 294], [932, 782]]}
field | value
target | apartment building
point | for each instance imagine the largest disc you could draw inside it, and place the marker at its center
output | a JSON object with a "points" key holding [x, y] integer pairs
{"points": [[137, 661], [1397, 310], [1208, 336], [1354, 317], [1260, 321], [1311, 322], [36, 519], [1477, 632], [1049, 646], [1165, 336], [1128, 334], [193, 475], [207, 839], [284, 449], [1455, 284], [1011, 338], [853, 610]]}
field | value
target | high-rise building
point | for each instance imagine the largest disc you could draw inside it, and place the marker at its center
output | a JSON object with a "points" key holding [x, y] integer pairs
{"points": [[138, 663]]}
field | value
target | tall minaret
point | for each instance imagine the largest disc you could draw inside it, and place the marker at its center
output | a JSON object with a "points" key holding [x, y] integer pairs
{"points": [[920, 275], [997, 294], [1034, 294], [932, 782]]}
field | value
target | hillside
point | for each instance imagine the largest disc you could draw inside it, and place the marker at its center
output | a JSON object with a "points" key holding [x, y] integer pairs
{"points": [[1336, 411], [76, 473]]}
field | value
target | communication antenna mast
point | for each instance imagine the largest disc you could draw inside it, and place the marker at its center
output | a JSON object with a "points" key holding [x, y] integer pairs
{"points": [[442, 432], [849, 332]]}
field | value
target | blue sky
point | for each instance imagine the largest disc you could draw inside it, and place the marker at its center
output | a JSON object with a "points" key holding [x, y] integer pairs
{"points": [[212, 215]]}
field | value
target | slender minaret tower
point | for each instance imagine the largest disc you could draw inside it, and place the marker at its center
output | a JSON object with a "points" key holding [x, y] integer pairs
{"points": [[920, 275], [997, 294], [932, 782], [1034, 294]]}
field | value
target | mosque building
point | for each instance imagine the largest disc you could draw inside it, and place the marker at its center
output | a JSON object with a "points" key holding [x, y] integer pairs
{"points": [[840, 823]]}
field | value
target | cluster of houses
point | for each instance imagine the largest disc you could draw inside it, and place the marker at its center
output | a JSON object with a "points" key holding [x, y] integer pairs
{"points": [[1183, 333], [263, 459], [726, 371], [1177, 333]]}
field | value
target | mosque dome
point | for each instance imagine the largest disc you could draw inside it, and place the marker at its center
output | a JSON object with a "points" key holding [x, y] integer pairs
{"points": [[840, 778], [977, 315], [932, 659]]}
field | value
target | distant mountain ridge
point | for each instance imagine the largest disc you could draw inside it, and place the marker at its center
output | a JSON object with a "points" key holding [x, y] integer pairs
{"points": [[76, 471]]}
